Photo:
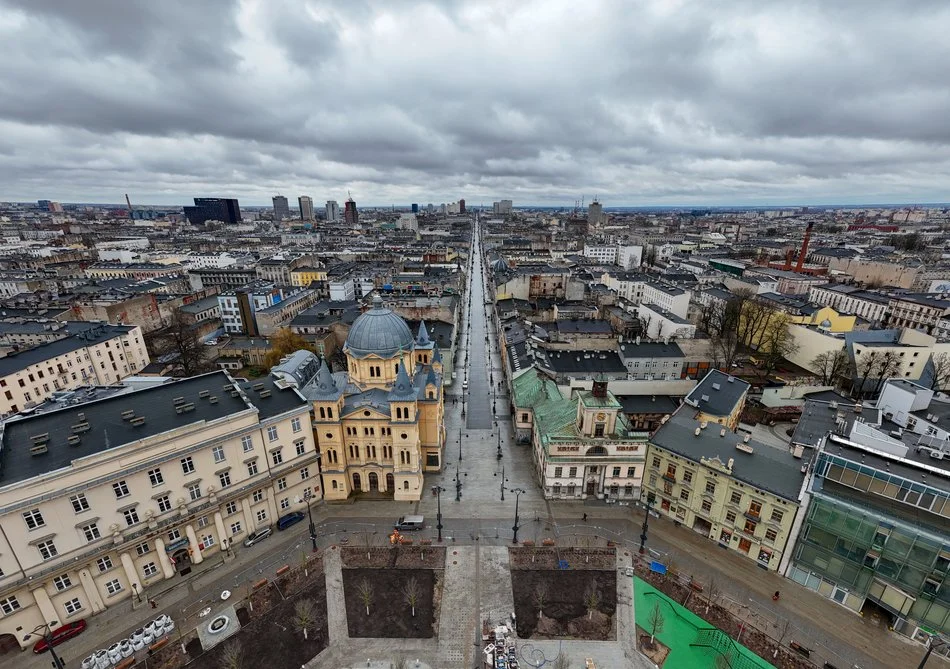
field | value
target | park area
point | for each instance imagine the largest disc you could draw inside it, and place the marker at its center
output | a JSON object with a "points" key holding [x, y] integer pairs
{"points": [[683, 640], [393, 592], [564, 593], [283, 624]]}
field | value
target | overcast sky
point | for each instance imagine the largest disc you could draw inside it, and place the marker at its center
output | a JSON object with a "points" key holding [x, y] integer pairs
{"points": [[637, 103]]}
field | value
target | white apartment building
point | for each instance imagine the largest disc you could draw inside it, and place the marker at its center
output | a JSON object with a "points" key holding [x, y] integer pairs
{"points": [[216, 260], [106, 500], [95, 354], [606, 253], [629, 285], [660, 324], [629, 256], [667, 297], [850, 300]]}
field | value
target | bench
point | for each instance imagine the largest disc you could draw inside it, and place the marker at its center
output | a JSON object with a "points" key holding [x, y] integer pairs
{"points": [[800, 649]]}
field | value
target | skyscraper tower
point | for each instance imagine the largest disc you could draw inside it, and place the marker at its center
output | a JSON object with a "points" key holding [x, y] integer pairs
{"points": [[333, 211], [350, 215], [595, 213], [461, 206], [306, 207], [281, 208]]}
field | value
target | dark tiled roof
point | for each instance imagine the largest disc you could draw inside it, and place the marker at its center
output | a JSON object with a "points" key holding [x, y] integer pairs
{"points": [[767, 468], [722, 391], [96, 334], [108, 429]]}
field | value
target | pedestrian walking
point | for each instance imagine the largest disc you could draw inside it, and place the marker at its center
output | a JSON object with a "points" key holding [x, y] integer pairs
{"points": [[585, 517], [152, 603]]}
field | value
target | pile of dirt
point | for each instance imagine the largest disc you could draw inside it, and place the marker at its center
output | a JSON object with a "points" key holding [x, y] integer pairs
{"points": [[595, 625]]}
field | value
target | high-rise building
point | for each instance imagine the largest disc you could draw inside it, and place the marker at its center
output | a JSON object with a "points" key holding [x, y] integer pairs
{"points": [[350, 215], [207, 209], [281, 208], [501, 207], [333, 211], [461, 206], [306, 207], [415, 208], [595, 213]]}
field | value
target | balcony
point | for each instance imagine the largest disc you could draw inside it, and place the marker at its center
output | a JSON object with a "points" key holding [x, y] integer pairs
{"points": [[754, 516], [669, 477]]}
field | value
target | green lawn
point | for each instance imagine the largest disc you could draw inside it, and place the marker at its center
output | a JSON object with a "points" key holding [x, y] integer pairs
{"points": [[680, 628]]}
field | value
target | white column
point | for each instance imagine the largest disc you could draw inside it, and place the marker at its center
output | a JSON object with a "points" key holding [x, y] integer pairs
{"points": [[196, 556], [167, 570], [129, 566], [92, 592], [48, 611], [223, 537]]}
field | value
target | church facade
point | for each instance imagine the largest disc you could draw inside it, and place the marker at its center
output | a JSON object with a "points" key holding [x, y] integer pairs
{"points": [[381, 424]]}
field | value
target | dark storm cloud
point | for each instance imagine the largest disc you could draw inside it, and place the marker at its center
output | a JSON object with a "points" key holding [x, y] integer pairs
{"points": [[540, 101]]}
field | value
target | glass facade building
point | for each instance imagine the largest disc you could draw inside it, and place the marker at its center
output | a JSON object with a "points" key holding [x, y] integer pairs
{"points": [[876, 537]]}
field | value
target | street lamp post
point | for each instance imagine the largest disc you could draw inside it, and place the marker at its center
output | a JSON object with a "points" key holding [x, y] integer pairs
{"points": [[460, 444], [307, 496], [138, 595], [646, 523], [518, 492], [438, 490], [47, 634], [503, 479], [934, 642], [499, 447], [458, 484]]}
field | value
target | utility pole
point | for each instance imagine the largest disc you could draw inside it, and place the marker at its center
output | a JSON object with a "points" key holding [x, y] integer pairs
{"points": [[518, 492], [438, 490]]}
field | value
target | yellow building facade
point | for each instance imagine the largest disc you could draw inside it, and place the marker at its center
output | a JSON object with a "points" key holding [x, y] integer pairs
{"points": [[381, 424], [304, 276]]}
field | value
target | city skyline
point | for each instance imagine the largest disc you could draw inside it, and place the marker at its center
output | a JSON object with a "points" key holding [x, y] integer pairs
{"points": [[543, 103]]}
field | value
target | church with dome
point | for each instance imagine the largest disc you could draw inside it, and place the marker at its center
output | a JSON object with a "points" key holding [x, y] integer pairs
{"points": [[380, 424]]}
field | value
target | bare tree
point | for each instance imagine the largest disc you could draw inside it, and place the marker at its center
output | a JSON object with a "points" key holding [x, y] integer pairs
{"points": [[411, 592], [591, 601], [754, 321], [655, 622], [540, 597], [365, 592], [181, 342], [713, 591], [888, 365], [305, 615], [232, 657], [832, 365], [941, 371], [778, 343], [863, 371], [724, 322], [783, 629]]}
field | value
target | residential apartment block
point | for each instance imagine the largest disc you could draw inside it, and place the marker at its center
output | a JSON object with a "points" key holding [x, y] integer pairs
{"points": [[101, 501], [737, 492], [92, 354]]}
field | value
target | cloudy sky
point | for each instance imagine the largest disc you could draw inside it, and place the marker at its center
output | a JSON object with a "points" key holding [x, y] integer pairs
{"points": [[638, 103]]}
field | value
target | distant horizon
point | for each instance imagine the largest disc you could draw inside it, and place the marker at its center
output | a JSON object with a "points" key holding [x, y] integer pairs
{"points": [[470, 205]]}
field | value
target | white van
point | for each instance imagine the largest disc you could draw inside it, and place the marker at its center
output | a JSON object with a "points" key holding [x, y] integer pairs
{"points": [[410, 523]]}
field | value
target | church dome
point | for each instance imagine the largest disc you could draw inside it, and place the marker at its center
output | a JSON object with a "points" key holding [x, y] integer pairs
{"points": [[378, 332]]}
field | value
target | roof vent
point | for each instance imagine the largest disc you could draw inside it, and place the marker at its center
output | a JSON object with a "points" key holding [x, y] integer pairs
{"points": [[704, 398], [81, 416], [832, 404], [80, 427], [185, 408], [213, 399], [235, 393], [204, 393], [258, 386], [40, 438], [38, 449], [73, 440], [265, 393], [858, 408], [137, 421], [128, 413], [745, 448], [178, 400], [715, 386], [703, 425], [731, 379], [697, 431], [746, 438], [722, 432]]}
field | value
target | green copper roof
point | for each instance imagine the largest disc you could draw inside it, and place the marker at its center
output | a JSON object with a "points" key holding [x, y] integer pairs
{"points": [[532, 388]]}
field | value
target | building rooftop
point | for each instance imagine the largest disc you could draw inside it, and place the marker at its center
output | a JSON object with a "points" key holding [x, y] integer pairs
{"points": [[96, 333], [100, 424], [633, 351], [582, 362], [638, 404], [717, 394], [774, 470]]}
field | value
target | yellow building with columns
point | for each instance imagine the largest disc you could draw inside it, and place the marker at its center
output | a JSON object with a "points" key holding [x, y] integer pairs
{"points": [[381, 424]]}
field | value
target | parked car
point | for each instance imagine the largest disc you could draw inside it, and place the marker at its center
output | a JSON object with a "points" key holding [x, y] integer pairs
{"points": [[290, 519], [410, 523], [60, 634], [257, 535]]}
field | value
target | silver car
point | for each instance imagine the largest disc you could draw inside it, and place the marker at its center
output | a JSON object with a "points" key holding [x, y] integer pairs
{"points": [[257, 535]]}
